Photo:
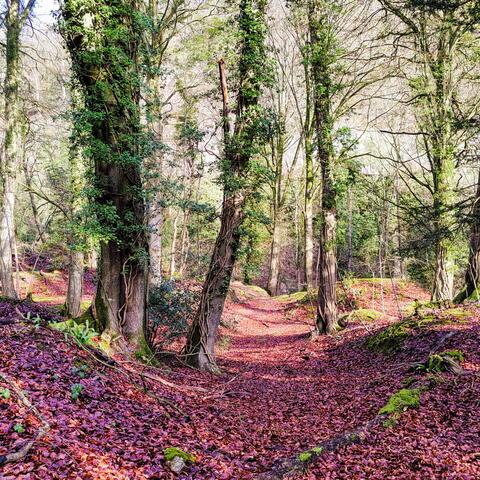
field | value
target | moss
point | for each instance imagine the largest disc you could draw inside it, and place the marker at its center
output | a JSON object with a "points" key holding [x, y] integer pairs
{"points": [[366, 315], [389, 423], [145, 355], [305, 456], [435, 380], [258, 289], [436, 362], [409, 381], [391, 338], [458, 312], [293, 297], [172, 452], [401, 401], [456, 355], [317, 450]]}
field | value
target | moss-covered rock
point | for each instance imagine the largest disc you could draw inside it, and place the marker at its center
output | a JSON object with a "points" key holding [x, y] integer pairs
{"points": [[171, 452]]}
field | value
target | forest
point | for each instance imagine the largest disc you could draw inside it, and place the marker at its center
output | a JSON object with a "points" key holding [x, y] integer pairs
{"points": [[240, 239]]}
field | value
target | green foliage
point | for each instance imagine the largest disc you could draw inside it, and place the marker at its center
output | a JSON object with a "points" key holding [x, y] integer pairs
{"points": [[19, 428], [171, 306], [80, 371], [75, 391], [105, 41], [5, 393], [436, 362], [305, 456], [82, 333], [402, 401], [172, 452]]}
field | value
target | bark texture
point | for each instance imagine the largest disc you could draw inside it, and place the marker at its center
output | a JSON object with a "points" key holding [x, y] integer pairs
{"points": [[114, 105], [472, 275], [322, 40], [73, 304]]}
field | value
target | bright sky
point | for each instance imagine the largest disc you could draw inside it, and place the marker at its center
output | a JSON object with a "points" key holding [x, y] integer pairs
{"points": [[43, 10]]}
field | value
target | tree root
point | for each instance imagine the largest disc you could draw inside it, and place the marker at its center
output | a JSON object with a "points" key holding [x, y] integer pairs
{"points": [[41, 432]]}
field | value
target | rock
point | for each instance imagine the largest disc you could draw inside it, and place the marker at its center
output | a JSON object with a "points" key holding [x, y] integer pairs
{"points": [[176, 465]]}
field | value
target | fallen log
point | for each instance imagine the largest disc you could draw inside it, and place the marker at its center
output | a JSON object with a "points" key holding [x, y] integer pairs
{"points": [[295, 467]]}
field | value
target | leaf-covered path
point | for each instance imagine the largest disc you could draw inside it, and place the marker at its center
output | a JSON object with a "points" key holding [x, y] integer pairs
{"points": [[280, 394]]}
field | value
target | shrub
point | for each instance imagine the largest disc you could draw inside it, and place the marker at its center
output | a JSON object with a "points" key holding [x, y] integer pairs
{"points": [[171, 307]]}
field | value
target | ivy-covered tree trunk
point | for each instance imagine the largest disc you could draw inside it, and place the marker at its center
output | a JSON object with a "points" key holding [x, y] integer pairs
{"points": [[15, 19], [240, 147], [200, 347], [103, 39], [443, 221], [322, 57]]}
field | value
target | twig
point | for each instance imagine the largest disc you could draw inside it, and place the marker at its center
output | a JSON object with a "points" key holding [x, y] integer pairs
{"points": [[41, 432]]}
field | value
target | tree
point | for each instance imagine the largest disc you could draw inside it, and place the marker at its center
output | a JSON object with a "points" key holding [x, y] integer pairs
{"points": [[240, 146], [324, 55], [16, 16], [436, 38], [472, 275], [104, 40]]}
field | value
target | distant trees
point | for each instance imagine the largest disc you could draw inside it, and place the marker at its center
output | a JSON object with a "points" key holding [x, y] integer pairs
{"points": [[435, 41], [16, 16]]}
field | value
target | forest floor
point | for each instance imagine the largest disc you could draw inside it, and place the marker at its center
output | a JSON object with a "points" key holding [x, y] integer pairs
{"points": [[279, 395]]}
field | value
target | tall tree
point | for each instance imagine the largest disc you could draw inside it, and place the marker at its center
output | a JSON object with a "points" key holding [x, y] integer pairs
{"points": [[323, 56], [16, 16], [240, 146], [436, 38], [104, 40]]}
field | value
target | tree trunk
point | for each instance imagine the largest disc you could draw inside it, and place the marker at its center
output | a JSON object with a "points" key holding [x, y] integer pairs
{"points": [[308, 228], [252, 69], [75, 284], [155, 224], [349, 230], [14, 21], [173, 247], [321, 38], [444, 262], [398, 267], [472, 275], [274, 258], [200, 346], [114, 136]]}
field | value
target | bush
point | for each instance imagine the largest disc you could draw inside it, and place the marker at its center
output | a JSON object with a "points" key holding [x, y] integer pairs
{"points": [[171, 307]]}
